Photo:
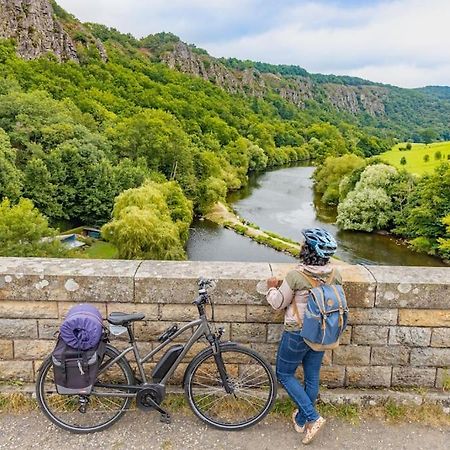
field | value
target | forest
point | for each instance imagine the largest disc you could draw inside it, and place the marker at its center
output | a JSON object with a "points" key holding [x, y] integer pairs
{"points": [[134, 147]]}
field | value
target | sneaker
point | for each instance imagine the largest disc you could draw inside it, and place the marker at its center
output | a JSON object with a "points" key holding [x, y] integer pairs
{"points": [[312, 430], [297, 427]]}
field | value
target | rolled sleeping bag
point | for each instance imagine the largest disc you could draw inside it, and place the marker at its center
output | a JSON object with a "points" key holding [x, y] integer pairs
{"points": [[82, 328]]}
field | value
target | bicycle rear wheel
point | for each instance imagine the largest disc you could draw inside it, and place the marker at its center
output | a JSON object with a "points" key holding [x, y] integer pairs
{"points": [[251, 378], [103, 407]]}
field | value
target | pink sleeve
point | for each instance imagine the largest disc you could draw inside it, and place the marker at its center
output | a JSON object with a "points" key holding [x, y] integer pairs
{"points": [[280, 298]]}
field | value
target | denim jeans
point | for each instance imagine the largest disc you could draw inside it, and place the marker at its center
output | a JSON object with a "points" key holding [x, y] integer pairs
{"points": [[292, 352]]}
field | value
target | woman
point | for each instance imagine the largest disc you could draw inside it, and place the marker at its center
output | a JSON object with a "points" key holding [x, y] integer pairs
{"points": [[291, 295]]}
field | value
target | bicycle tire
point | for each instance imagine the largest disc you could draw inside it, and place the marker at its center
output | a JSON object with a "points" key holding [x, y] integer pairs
{"points": [[49, 400], [241, 363]]}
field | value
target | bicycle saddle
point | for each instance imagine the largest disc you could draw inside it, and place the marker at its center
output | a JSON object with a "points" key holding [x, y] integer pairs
{"points": [[119, 318]]}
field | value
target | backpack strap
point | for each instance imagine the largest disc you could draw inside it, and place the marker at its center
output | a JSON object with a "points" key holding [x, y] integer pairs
{"points": [[313, 281], [330, 278]]}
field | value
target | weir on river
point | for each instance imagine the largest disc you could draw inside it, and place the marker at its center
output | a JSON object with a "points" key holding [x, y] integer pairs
{"points": [[283, 201]]}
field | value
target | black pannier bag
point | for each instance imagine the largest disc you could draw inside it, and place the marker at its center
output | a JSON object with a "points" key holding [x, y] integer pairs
{"points": [[79, 351], [75, 371]]}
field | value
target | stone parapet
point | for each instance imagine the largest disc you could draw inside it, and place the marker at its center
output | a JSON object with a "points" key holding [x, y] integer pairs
{"points": [[398, 334]]}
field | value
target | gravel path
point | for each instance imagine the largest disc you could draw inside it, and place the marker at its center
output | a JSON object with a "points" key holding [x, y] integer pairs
{"points": [[138, 430]]}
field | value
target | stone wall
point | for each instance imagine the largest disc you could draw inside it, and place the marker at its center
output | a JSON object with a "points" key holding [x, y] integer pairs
{"points": [[399, 333]]}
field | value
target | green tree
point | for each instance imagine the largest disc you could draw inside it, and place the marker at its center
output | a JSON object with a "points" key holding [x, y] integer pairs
{"points": [[365, 209], [24, 231], [158, 137], [150, 222], [438, 155], [329, 175], [85, 182], [426, 158], [428, 205], [10, 176], [403, 161], [408, 146], [39, 188], [444, 242], [371, 204]]}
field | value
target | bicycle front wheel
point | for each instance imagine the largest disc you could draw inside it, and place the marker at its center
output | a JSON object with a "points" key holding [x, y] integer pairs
{"points": [[252, 381], [103, 406]]}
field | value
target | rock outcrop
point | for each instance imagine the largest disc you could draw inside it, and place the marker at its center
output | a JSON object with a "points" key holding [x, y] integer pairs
{"points": [[31, 23], [357, 99], [295, 89]]}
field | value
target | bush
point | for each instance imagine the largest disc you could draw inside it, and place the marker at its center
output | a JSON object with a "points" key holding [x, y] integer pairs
{"points": [[408, 146], [403, 161], [438, 155], [426, 158]]}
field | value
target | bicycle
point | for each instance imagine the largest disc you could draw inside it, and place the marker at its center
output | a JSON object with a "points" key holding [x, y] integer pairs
{"points": [[227, 385]]}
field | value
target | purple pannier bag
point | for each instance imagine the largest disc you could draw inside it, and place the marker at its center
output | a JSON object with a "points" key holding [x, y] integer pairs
{"points": [[82, 328]]}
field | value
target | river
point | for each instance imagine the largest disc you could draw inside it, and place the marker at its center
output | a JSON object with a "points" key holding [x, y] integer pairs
{"points": [[283, 201]]}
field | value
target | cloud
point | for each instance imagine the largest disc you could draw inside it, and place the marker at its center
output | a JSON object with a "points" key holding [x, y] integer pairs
{"points": [[402, 42]]}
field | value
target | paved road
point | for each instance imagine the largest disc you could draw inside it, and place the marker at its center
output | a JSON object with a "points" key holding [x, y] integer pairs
{"points": [[138, 430]]}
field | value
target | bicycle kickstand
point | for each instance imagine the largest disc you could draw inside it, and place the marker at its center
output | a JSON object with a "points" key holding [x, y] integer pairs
{"points": [[165, 418]]}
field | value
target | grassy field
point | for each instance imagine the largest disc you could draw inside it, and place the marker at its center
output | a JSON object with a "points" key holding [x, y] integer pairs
{"points": [[102, 250], [415, 162]]}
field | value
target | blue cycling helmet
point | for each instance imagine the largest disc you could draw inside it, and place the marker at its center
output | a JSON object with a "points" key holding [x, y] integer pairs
{"points": [[321, 241]]}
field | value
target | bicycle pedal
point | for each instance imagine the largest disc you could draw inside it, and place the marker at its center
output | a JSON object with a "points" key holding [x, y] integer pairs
{"points": [[165, 418]]}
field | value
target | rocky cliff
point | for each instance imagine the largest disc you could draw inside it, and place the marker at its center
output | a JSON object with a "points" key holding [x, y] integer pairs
{"points": [[249, 81], [31, 23], [295, 89]]}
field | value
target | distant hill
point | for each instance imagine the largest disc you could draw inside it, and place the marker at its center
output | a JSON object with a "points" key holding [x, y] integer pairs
{"points": [[41, 26]]}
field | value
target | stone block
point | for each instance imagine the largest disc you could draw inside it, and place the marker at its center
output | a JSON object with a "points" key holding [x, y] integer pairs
{"points": [[440, 337], [332, 376], [370, 335], [184, 313], [28, 310], [16, 371], [443, 379], [410, 336], [229, 313], [69, 280], [18, 328], [6, 349], [327, 358], [268, 351], [373, 376], [352, 355], [424, 318], [32, 349], [412, 287], [390, 356], [264, 314], [359, 286], [176, 281], [431, 357], [48, 328], [248, 332], [372, 316], [413, 377], [64, 307], [274, 332], [346, 336]]}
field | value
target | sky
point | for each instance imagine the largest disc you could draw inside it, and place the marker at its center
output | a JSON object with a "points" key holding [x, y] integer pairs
{"points": [[401, 42]]}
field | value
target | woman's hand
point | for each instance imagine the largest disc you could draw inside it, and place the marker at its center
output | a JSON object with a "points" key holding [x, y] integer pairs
{"points": [[272, 282]]}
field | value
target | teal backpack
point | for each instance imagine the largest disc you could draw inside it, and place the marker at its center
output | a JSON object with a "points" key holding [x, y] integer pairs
{"points": [[326, 314]]}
